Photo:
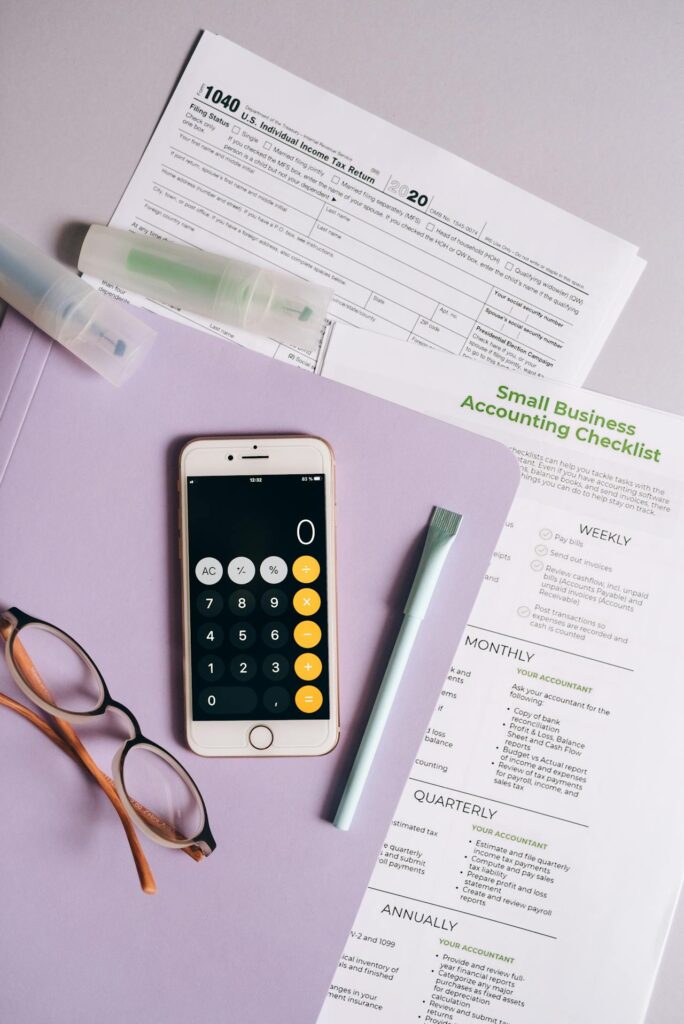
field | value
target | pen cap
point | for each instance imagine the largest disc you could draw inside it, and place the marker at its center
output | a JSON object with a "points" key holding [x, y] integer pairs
{"points": [[224, 289], [278, 306], [97, 329]]}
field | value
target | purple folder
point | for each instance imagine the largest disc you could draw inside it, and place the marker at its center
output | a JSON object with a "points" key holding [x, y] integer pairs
{"points": [[88, 508]]}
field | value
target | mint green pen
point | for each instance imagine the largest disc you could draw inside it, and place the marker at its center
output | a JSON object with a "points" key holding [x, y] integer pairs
{"points": [[440, 536]]}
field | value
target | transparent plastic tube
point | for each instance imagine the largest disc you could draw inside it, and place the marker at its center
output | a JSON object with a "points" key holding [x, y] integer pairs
{"points": [[97, 329], [230, 291]]}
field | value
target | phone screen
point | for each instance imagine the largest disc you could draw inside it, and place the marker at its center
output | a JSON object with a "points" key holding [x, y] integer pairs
{"points": [[258, 607]]}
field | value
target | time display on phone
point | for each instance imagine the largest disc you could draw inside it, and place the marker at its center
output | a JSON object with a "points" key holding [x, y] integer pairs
{"points": [[258, 597]]}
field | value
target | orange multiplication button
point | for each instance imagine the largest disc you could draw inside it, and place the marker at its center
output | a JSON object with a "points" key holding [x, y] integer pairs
{"points": [[307, 633], [306, 569], [306, 601], [308, 699], [308, 666]]}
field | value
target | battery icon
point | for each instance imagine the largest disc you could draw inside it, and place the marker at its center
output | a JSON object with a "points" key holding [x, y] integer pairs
{"points": [[317, 478]]}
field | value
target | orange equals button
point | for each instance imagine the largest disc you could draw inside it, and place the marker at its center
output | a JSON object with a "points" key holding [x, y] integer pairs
{"points": [[308, 699]]}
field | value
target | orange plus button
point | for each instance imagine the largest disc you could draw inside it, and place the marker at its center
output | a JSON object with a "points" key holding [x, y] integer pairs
{"points": [[308, 666], [308, 699], [306, 601], [307, 634], [306, 569]]}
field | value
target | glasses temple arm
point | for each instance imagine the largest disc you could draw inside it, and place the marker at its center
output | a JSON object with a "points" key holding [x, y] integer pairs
{"points": [[37, 684], [30, 673]]}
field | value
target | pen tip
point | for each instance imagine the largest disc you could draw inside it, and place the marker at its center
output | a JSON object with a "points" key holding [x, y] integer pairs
{"points": [[445, 521]]}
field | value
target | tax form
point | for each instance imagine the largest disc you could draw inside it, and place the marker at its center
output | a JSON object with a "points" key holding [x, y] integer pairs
{"points": [[251, 161], [533, 863]]}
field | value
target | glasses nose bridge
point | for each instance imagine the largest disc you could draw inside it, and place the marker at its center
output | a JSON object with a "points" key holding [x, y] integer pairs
{"points": [[123, 712]]}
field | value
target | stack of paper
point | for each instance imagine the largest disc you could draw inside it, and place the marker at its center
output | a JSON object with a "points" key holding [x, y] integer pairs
{"points": [[514, 882], [250, 161]]}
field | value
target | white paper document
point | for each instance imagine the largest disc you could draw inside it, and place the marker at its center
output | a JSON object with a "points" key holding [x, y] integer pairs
{"points": [[250, 161], [535, 858]]}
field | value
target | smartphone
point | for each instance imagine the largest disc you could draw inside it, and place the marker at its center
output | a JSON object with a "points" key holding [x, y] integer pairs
{"points": [[257, 546]]}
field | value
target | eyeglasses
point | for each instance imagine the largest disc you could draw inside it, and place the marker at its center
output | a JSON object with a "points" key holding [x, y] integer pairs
{"points": [[149, 786]]}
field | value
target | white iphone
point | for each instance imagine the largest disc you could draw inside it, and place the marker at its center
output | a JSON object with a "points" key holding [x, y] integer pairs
{"points": [[257, 544]]}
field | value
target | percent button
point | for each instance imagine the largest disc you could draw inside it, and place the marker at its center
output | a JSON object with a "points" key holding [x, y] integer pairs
{"points": [[273, 569]]}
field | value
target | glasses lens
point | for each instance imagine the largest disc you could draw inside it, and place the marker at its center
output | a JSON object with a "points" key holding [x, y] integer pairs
{"points": [[56, 671], [161, 794]]}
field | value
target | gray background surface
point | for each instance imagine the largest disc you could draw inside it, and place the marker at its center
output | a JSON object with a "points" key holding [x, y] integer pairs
{"points": [[579, 102]]}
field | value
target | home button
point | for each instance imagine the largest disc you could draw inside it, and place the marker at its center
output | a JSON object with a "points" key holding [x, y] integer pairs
{"points": [[261, 737]]}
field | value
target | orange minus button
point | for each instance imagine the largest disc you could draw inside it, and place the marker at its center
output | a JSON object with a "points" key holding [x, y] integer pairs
{"points": [[307, 633], [308, 699], [308, 666]]}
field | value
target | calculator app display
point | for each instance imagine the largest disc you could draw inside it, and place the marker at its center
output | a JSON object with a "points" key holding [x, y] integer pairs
{"points": [[258, 608]]}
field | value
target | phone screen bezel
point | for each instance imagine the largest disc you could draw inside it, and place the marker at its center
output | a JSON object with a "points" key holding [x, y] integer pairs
{"points": [[280, 455]]}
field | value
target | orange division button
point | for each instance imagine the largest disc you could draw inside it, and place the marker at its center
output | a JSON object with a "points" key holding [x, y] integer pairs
{"points": [[308, 699], [306, 569], [306, 601], [307, 634], [308, 666]]}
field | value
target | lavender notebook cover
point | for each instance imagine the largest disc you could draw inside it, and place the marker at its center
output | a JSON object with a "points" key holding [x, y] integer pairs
{"points": [[88, 508]]}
